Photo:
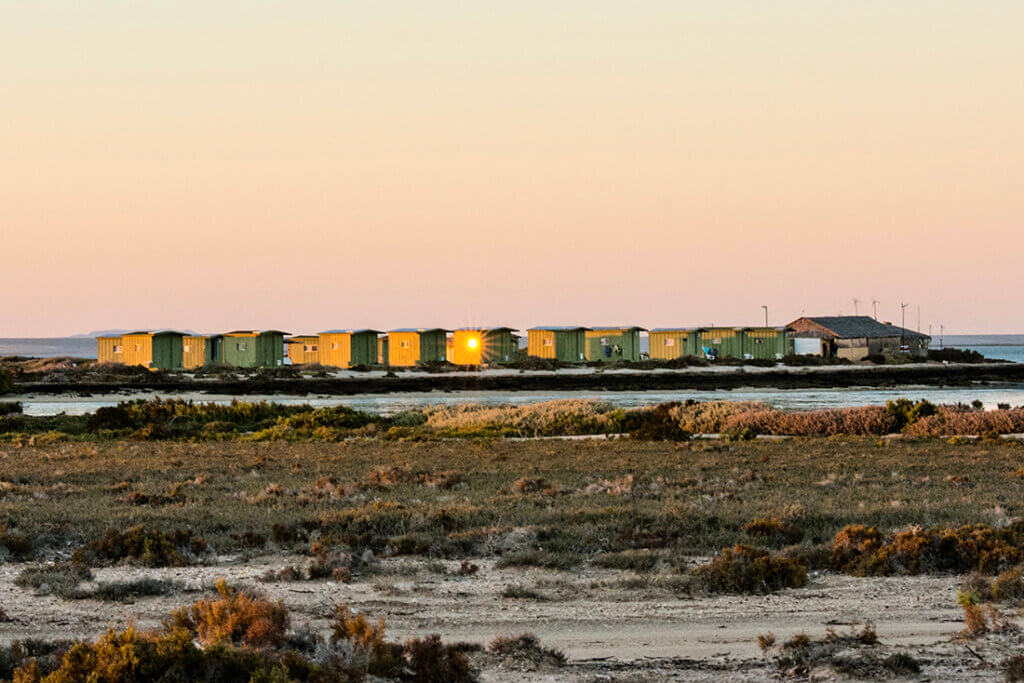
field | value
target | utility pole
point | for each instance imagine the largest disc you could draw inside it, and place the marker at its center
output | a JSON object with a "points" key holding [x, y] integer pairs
{"points": [[919, 319], [855, 302], [903, 322], [765, 315], [874, 304]]}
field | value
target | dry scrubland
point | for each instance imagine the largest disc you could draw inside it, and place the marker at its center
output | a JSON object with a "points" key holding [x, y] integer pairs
{"points": [[655, 559]]}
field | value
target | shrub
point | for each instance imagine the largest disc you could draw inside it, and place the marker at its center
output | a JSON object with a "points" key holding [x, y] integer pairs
{"points": [[9, 408], [906, 412], [236, 618], [901, 664], [637, 560], [526, 647], [658, 424], [951, 355], [774, 531], [539, 558], [1013, 668], [431, 661], [17, 544], [60, 579], [517, 592], [6, 381], [146, 545], [861, 550], [355, 629], [125, 591], [743, 569]]}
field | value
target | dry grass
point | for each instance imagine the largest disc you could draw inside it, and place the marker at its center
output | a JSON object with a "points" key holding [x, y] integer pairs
{"points": [[606, 496]]}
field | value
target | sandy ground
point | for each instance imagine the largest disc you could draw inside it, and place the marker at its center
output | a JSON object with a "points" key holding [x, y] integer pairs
{"points": [[610, 628]]}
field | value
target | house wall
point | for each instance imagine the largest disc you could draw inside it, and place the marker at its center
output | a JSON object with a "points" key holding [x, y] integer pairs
{"points": [[196, 352], [601, 345], [138, 349], [109, 350], [670, 344], [492, 347], [727, 341], [766, 343], [304, 350], [403, 348], [240, 351]]}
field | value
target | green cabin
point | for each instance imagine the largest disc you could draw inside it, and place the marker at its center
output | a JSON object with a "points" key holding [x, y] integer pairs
{"points": [[609, 344], [254, 348], [771, 343]]}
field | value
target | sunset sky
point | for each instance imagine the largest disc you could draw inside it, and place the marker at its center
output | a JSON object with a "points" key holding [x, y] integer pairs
{"points": [[315, 165]]}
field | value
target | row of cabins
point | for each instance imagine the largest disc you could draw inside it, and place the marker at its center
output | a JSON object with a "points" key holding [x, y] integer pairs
{"points": [[170, 350], [851, 337]]}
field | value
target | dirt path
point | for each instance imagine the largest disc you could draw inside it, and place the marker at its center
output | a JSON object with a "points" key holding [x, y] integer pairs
{"points": [[608, 622]]}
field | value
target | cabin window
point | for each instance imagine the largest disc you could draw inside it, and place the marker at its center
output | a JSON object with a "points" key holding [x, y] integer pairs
{"points": [[240, 346], [759, 341], [314, 347], [549, 342], [138, 347], [604, 341], [670, 341], [404, 344], [186, 348], [334, 346], [118, 349], [716, 340]]}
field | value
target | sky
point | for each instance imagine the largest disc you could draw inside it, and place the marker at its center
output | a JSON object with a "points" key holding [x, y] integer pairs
{"points": [[315, 165]]}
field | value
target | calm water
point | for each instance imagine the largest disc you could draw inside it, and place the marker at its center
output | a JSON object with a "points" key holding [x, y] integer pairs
{"points": [[387, 404]]}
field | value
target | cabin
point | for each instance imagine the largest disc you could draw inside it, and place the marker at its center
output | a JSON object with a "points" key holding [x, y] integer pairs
{"points": [[303, 349], [483, 346], [154, 350], [767, 343], [382, 349], [669, 343], [613, 343], [854, 337], [408, 347], [721, 342], [254, 348], [201, 350], [346, 348], [565, 344], [109, 349]]}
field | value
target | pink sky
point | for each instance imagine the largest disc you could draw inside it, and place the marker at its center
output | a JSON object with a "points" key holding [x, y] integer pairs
{"points": [[369, 164]]}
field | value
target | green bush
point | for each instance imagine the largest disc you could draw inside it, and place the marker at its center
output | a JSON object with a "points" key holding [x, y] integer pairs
{"points": [[6, 381], [906, 412]]}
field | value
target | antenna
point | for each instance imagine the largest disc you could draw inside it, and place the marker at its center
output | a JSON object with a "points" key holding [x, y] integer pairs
{"points": [[874, 304], [855, 302]]}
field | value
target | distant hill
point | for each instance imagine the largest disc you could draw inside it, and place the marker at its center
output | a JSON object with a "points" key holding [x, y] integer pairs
{"points": [[114, 333]]}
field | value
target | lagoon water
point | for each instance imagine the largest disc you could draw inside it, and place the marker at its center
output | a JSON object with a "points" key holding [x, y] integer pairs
{"points": [[388, 404]]}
